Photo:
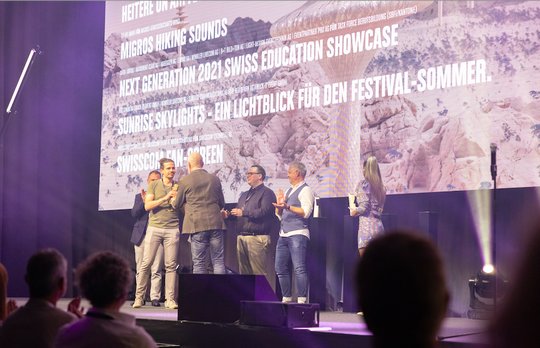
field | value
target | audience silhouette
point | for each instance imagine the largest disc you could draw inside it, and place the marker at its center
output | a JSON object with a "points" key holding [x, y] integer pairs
{"points": [[402, 290], [517, 318], [3, 293], [37, 322], [104, 279]]}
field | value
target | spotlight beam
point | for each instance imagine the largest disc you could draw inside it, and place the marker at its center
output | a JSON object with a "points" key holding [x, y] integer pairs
{"points": [[480, 205]]}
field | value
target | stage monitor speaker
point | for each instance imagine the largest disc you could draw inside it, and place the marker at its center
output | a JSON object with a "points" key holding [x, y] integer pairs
{"points": [[277, 314], [216, 297]]}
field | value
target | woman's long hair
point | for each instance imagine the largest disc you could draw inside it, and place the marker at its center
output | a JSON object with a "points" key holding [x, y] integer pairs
{"points": [[3, 292], [373, 175]]}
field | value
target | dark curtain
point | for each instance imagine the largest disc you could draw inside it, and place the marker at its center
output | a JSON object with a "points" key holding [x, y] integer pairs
{"points": [[50, 150]]}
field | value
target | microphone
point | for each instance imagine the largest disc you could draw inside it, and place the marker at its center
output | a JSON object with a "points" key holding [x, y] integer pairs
{"points": [[493, 148], [174, 188]]}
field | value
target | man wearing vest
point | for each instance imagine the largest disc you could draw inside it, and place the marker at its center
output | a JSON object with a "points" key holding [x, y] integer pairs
{"points": [[294, 209]]}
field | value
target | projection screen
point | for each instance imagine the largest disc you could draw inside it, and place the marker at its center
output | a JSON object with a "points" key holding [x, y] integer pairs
{"points": [[424, 86]]}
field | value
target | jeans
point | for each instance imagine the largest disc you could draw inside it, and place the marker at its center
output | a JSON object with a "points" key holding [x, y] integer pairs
{"points": [[155, 236], [200, 243], [292, 248]]}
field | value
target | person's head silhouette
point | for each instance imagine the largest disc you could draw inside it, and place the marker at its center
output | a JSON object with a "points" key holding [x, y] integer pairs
{"points": [[402, 290]]}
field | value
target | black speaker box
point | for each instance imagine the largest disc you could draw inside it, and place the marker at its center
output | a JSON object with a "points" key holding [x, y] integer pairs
{"points": [[277, 314], [216, 297]]}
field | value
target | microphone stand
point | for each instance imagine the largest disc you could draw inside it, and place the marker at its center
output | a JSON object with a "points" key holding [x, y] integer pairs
{"points": [[493, 149]]}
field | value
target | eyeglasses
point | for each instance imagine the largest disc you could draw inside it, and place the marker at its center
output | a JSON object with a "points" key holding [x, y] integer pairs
{"points": [[251, 173]]}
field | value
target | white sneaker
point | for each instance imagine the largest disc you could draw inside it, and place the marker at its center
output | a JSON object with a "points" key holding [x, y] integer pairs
{"points": [[171, 304], [138, 303], [302, 300], [286, 299]]}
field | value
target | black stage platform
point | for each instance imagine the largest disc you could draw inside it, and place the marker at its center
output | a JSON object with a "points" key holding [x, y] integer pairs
{"points": [[336, 330]]}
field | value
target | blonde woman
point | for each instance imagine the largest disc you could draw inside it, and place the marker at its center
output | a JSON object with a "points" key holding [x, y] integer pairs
{"points": [[370, 196]]}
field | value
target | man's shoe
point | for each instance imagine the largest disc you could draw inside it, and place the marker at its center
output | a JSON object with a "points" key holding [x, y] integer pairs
{"points": [[171, 304], [138, 303], [302, 300], [155, 303]]}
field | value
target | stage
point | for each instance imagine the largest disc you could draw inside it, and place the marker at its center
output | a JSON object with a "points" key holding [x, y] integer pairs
{"points": [[336, 329]]}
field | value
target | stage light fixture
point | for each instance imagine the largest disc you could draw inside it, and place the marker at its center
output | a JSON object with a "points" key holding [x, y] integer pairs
{"points": [[482, 292], [24, 72], [488, 269]]}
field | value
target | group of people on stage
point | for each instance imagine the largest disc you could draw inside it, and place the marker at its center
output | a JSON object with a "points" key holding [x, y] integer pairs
{"points": [[408, 317], [198, 198]]}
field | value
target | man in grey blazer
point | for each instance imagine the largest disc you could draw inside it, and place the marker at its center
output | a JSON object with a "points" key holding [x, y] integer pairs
{"points": [[201, 197]]}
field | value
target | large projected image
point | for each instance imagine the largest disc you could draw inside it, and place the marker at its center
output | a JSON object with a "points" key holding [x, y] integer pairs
{"points": [[424, 86]]}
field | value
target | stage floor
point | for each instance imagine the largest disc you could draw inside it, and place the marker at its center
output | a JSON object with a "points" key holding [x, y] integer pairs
{"points": [[335, 328]]}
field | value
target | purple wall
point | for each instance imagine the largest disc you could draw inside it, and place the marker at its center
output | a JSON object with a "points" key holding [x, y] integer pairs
{"points": [[51, 147]]}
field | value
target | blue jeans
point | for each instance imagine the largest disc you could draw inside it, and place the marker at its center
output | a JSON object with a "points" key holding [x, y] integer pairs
{"points": [[200, 243], [292, 248]]}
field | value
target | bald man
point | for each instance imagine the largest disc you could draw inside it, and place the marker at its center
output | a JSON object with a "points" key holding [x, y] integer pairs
{"points": [[201, 197]]}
